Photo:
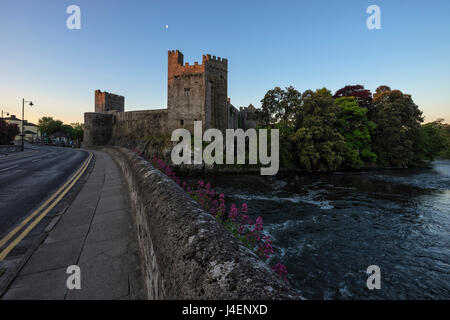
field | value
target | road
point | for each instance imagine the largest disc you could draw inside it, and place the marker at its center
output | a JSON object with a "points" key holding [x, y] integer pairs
{"points": [[27, 179]]}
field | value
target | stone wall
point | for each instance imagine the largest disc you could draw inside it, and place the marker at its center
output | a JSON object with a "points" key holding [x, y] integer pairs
{"points": [[186, 102], [105, 102], [216, 83], [97, 128], [186, 253], [248, 118], [136, 124], [197, 92], [233, 116]]}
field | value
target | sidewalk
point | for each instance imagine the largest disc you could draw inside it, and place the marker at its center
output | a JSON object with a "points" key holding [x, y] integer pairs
{"points": [[96, 234]]}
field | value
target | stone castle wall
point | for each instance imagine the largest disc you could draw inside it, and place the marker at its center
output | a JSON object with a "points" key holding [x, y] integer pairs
{"points": [[185, 92], [195, 92], [139, 123], [186, 253], [97, 128], [105, 102]]}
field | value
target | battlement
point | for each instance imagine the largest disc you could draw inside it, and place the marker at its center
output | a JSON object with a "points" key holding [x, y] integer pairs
{"points": [[106, 93], [209, 58], [177, 66], [105, 102]]}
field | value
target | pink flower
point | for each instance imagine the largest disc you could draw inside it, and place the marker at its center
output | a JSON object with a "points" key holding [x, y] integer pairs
{"points": [[234, 212], [281, 270]]}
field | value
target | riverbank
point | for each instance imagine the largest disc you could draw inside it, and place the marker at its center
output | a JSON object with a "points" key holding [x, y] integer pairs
{"points": [[328, 228], [161, 146]]}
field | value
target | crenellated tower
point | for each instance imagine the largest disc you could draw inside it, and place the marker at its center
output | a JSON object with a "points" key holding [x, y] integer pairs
{"points": [[197, 92], [105, 102]]}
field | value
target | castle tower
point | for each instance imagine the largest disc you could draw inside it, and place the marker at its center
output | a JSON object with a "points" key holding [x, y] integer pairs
{"points": [[216, 79], [105, 102], [197, 92]]}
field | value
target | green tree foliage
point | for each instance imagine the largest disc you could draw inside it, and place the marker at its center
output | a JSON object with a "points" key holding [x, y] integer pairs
{"points": [[279, 105], [48, 126], [8, 131], [434, 140], [277, 111], [445, 152], [353, 125], [362, 95], [319, 132], [318, 144], [398, 121], [77, 131]]}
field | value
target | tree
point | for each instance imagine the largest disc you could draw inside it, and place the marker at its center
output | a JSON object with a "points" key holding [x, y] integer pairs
{"points": [[279, 105], [398, 121], [318, 145], [48, 125], [8, 131], [445, 152], [353, 125], [77, 131], [362, 95], [434, 140]]}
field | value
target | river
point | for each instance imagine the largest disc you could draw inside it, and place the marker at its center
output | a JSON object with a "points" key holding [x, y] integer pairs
{"points": [[327, 229]]}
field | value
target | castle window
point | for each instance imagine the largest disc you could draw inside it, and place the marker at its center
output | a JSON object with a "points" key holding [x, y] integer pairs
{"points": [[181, 122], [187, 92]]}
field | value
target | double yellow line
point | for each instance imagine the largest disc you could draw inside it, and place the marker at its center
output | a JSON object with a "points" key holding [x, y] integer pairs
{"points": [[48, 205]]}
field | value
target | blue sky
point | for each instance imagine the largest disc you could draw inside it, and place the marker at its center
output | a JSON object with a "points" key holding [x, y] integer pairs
{"points": [[122, 48]]}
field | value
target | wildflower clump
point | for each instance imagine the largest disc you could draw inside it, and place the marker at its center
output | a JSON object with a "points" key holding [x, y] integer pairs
{"points": [[236, 219]]}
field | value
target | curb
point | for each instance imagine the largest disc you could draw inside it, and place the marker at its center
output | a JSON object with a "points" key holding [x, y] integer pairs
{"points": [[11, 273]]}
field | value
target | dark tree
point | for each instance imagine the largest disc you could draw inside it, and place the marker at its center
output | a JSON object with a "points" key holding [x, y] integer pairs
{"points": [[362, 95], [8, 131], [279, 105], [398, 120], [318, 144]]}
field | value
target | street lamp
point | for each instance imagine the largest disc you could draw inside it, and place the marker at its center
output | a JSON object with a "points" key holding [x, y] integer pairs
{"points": [[7, 114], [30, 103]]}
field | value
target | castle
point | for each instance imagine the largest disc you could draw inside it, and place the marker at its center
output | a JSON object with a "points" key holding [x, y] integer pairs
{"points": [[197, 92]]}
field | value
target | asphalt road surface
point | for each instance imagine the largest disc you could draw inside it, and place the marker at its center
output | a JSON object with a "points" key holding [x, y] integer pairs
{"points": [[29, 178]]}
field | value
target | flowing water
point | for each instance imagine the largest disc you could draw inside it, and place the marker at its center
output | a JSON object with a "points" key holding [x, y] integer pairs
{"points": [[327, 229]]}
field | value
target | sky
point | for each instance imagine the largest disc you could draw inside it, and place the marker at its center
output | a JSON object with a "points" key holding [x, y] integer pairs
{"points": [[122, 48]]}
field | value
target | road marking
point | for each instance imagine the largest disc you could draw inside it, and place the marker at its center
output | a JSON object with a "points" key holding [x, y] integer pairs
{"points": [[9, 168], [62, 191], [37, 159], [19, 154], [31, 216]]}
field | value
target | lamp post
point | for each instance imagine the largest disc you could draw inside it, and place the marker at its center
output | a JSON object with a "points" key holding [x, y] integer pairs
{"points": [[23, 119], [7, 114]]}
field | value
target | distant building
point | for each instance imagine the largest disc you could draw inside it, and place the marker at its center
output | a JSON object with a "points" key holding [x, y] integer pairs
{"points": [[233, 116], [60, 138], [31, 130], [247, 117]]}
